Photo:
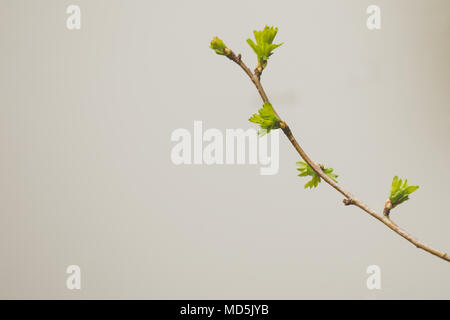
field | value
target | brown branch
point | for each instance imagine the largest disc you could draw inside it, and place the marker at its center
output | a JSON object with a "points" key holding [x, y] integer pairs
{"points": [[349, 198]]}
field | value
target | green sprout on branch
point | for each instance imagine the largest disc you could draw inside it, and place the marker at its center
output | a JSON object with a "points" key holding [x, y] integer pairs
{"points": [[266, 118], [306, 170], [400, 192], [264, 46], [219, 47]]}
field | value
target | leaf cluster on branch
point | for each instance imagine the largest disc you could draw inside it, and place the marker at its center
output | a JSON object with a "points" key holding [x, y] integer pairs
{"points": [[306, 170], [266, 118], [264, 45]]}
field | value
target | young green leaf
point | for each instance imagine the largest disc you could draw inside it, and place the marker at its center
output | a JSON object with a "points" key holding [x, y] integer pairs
{"points": [[264, 46], [306, 170], [400, 191], [266, 118], [219, 46]]}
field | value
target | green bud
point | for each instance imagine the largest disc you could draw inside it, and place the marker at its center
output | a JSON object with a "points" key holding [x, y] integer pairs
{"points": [[306, 170], [400, 191], [219, 47], [266, 118], [264, 45]]}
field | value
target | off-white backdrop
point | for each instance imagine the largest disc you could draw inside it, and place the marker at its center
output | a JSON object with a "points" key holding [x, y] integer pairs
{"points": [[85, 170]]}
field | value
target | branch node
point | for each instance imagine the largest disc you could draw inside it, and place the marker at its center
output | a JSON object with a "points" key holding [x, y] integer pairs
{"points": [[348, 202], [387, 208], [258, 72]]}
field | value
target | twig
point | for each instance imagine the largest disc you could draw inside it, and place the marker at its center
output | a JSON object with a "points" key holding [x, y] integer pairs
{"points": [[349, 198]]}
